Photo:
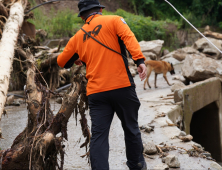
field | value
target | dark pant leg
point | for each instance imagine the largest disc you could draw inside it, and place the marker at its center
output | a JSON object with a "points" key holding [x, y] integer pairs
{"points": [[101, 113], [126, 106]]}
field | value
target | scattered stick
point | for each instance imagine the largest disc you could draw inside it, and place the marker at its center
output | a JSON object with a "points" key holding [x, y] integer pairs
{"points": [[148, 156], [171, 94], [159, 149], [167, 98]]}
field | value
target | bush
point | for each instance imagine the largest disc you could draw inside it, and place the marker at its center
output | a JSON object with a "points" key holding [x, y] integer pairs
{"points": [[144, 28], [61, 24]]}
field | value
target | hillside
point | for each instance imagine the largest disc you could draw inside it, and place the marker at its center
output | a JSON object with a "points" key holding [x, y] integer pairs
{"points": [[73, 5]]}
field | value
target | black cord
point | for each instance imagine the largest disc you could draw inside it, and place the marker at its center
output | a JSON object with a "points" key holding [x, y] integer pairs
{"points": [[89, 20], [102, 43]]}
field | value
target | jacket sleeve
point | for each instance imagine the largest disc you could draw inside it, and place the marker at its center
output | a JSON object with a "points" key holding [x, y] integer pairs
{"points": [[129, 39], [69, 55]]}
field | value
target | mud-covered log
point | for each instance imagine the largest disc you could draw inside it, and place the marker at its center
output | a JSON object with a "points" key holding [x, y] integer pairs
{"points": [[7, 46], [213, 35]]}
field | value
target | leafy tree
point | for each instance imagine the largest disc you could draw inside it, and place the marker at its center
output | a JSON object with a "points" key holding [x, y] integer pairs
{"points": [[201, 12]]}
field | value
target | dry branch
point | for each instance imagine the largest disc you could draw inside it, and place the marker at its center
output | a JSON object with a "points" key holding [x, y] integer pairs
{"points": [[3, 10], [50, 61], [37, 147], [7, 46]]}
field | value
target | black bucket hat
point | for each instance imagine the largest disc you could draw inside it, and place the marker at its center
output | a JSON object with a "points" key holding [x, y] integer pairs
{"points": [[85, 5]]}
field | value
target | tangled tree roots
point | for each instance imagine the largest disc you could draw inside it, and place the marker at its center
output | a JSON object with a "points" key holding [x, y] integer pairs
{"points": [[38, 147]]}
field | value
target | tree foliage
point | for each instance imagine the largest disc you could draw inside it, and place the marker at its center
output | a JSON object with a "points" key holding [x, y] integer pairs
{"points": [[201, 12]]}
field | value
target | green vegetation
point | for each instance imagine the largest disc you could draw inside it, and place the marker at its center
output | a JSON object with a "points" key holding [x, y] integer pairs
{"points": [[66, 24], [144, 28], [61, 24], [199, 12]]}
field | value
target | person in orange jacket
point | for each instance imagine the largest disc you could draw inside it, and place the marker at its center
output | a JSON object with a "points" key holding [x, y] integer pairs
{"points": [[101, 45]]}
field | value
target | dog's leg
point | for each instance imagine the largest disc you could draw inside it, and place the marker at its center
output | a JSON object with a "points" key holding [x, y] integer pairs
{"points": [[147, 78], [165, 77], [155, 80]]}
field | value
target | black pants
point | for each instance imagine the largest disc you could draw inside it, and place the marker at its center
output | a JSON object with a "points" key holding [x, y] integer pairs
{"points": [[102, 107]]}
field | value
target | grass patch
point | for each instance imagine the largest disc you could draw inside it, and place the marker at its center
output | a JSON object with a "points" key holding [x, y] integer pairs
{"points": [[60, 24], [66, 23]]}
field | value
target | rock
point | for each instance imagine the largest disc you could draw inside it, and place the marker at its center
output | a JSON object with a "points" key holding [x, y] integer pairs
{"points": [[149, 129], [179, 56], [161, 167], [142, 127], [204, 46], [198, 145], [181, 53], [215, 166], [150, 148], [150, 55], [172, 60], [165, 52], [176, 86], [187, 138], [164, 159], [207, 154], [207, 28], [172, 161], [10, 100], [133, 72], [179, 77], [130, 62], [198, 68], [182, 133], [178, 96], [154, 46]]}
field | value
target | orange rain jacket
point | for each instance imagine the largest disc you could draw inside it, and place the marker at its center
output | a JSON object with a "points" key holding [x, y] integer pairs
{"points": [[105, 69]]}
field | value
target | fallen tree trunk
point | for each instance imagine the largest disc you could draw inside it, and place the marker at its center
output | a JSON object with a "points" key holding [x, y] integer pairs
{"points": [[39, 145], [7, 46]]}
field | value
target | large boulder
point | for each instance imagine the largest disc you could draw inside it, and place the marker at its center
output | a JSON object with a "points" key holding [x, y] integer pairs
{"points": [[198, 68], [181, 53], [154, 46], [150, 56], [205, 47]]}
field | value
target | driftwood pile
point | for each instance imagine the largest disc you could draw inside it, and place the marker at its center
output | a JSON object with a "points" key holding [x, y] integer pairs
{"points": [[40, 144]]}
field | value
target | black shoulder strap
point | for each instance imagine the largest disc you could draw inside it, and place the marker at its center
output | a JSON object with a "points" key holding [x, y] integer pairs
{"points": [[102, 43]]}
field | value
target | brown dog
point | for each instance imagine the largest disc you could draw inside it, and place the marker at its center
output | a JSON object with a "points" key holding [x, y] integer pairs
{"points": [[158, 67]]}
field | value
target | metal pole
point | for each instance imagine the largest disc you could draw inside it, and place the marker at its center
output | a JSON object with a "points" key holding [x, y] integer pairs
{"points": [[193, 26]]}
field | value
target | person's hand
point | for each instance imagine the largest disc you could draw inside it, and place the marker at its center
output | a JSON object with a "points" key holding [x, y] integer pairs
{"points": [[78, 62], [142, 70]]}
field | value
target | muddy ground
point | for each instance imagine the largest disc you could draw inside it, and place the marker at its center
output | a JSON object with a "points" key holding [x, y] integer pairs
{"points": [[16, 120]]}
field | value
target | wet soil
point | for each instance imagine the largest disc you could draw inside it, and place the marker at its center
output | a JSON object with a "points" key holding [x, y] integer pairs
{"points": [[16, 120]]}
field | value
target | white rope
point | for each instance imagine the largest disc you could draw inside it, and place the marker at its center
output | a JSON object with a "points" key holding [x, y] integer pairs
{"points": [[193, 26]]}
